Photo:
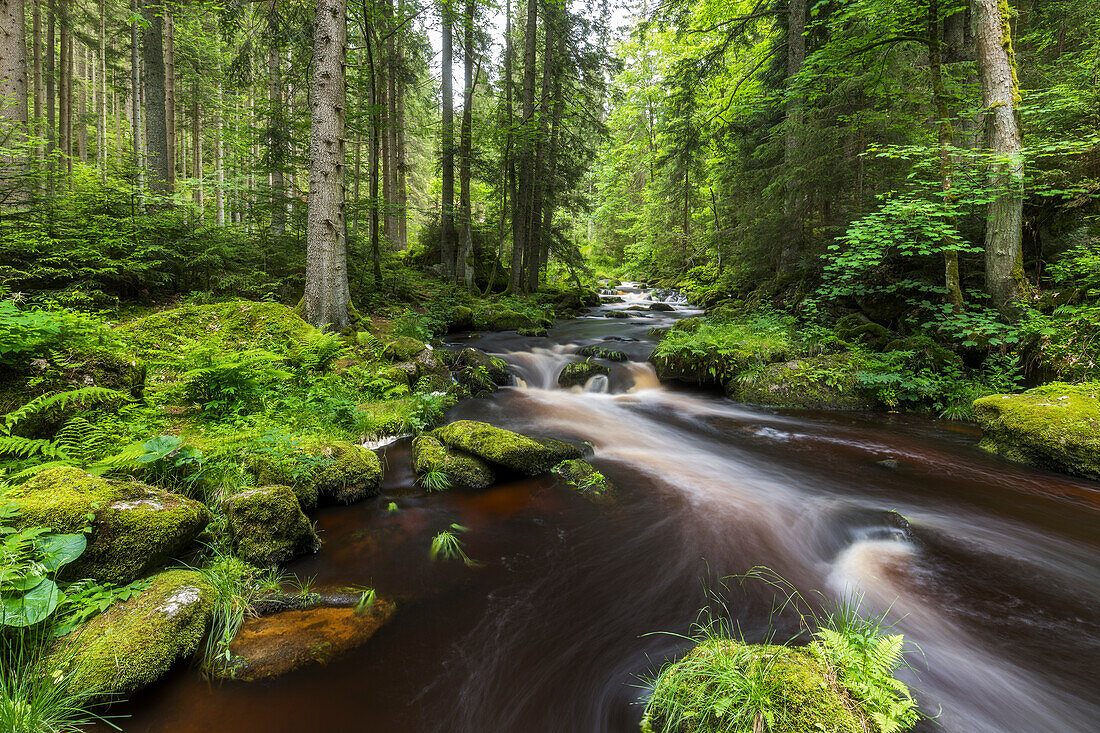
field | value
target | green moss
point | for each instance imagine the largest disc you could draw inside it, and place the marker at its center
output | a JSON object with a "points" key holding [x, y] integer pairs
{"points": [[234, 326], [462, 319], [267, 527], [583, 477], [577, 374], [505, 448], [701, 693], [1056, 426], [460, 468], [827, 382], [598, 352], [404, 348], [491, 318], [134, 643], [321, 470], [134, 527]]}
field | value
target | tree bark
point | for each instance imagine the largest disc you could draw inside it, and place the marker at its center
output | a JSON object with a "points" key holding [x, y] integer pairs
{"points": [[946, 142], [402, 196], [541, 178], [102, 156], [464, 270], [82, 105], [278, 130], [327, 294], [159, 165], [447, 228], [175, 158], [39, 90], [135, 94], [393, 213], [51, 96], [1004, 271], [521, 214], [13, 64], [792, 207], [64, 92], [196, 148]]}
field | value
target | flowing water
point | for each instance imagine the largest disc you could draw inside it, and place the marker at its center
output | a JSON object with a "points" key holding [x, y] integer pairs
{"points": [[996, 580]]}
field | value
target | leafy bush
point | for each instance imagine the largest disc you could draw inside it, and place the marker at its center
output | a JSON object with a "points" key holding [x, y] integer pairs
{"points": [[26, 333]]}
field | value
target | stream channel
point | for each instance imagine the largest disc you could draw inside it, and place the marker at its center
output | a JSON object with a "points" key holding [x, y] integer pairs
{"points": [[997, 581]]}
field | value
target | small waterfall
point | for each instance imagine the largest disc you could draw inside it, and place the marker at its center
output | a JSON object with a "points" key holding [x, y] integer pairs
{"points": [[598, 384]]}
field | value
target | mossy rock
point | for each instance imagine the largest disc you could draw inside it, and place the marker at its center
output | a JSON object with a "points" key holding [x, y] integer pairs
{"points": [[662, 308], [495, 367], [431, 374], [827, 382], [462, 319], [1056, 426], [927, 354], [577, 373], [502, 447], [461, 469], [490, 318], [858, 330], [234, 326], [134, 528], [404, 348], [701, 367], [617, 314], [583, 478], [688, 325], [594, 351], [134, 643], [267, 526], [570, 300], [805, 696], [320, 470]]}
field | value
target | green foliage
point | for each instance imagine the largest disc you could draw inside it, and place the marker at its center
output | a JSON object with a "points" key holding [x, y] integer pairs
{"points": [[27, 332], [435, 479], [29, 561], [446, 545], [221, 382], [86, 599]]}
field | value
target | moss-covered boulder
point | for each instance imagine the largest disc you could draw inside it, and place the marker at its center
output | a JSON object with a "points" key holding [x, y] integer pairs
{"points": [[1055, 426], [462, 319], [461, 469], [696, 694], [431, 374], [404, 348], [267, 527], [662, 307], [582, 477], [134, 643], [274, 645], [595, 351], [617, 314], [577, 373], [320, 471], [234, 326], [491, 318], [134, 528], [495, 368], [570, 300], [513, 451], [827, 382], [855, 329]]}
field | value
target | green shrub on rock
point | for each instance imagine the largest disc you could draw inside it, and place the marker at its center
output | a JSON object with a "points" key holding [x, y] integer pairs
{"points": [[583, 477], [318, 470], [577, 373], [266, 526], [133, 527]]}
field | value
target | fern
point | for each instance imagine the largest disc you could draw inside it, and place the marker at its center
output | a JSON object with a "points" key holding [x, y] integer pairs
{"points": [[60, 400], [316, 351], [13, 445], [865, 664], [81, 440]]}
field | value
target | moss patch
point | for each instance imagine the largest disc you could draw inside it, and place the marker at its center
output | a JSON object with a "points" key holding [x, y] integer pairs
{"points": [[461, 468], [267, 527], [505, 448], [134, 643], [582, 477], [134, 527], [321, 470], [1056, 426], [404, 348], [234, 325], [827, 382]]}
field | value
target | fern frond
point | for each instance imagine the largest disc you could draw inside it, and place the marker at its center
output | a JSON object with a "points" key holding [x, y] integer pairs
{"points": [[85, 395], [81, 439], [13, 445]]}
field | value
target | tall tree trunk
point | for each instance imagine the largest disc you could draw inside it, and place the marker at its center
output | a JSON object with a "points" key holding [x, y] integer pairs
{"points": [[327, 295], [945, 134], [64, 92], [159, 165], [82, 105], [278, 129], [13, 64], [402, 196], [219, 145], [1004, 270], [196, 147], [521, 214], [135, 93], [370, 37], [393, 164], [51, 96], [507, 168], [465, 270], [171, 131], [541, 178], [793, 207], [39, 89], [102, 154], [447, 227], [549, 202]]}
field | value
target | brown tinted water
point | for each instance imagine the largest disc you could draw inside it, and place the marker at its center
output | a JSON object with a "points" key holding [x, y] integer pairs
{"points": [[998, 581]]}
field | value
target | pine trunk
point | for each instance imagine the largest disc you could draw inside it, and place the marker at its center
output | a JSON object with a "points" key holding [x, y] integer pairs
{"points": [[521, 214], [158, 164], [171, 131], [793, 205], [327, 296], [447, 227]]}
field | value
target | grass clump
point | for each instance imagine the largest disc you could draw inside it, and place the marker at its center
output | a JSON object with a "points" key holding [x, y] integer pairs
{"points": [[446, 545], [841, 682]]}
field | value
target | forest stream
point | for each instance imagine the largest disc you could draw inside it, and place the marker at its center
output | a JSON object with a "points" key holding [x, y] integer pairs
{"points": [[995, 580]]}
